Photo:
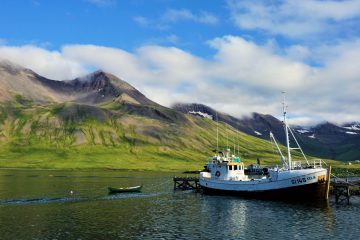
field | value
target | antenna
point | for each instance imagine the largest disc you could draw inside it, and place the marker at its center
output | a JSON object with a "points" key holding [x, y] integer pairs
{"points": [[227, 138], [286, 131], [217, 131], [237, 140], [234, 146], [283, 103]]}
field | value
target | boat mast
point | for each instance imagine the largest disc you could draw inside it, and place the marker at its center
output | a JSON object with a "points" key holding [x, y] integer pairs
{"points": [[217, 133], [237, 141], [286, 132]]}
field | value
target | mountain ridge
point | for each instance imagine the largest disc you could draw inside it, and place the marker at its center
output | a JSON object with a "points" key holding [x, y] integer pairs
{"points": [[92, 88], [323, 140], [100, 121]]}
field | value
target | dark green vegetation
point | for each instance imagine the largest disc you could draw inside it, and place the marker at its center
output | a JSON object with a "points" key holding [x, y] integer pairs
{"points": [[325, 140], [101, 121], [115, 136]]}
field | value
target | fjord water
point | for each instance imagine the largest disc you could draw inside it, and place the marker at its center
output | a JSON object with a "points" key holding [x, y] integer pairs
{"points": [[38, 204]]}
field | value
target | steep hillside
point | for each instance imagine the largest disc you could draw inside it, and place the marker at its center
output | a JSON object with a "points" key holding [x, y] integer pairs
{"points": [[324, 140], [71, 135], [100, 121]]}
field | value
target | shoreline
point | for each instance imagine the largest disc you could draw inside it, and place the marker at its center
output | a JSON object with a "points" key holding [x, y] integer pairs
{"points": [[337, 171], [95, 169]]}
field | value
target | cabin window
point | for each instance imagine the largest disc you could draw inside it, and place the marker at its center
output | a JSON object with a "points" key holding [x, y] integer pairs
{"points": [[235, 167], [230, 167]]}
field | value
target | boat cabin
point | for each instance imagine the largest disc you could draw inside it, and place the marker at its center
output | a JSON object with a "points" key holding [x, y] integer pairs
{"points": [[224, 168]]}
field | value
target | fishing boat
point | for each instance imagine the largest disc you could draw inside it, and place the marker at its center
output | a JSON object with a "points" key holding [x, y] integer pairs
{"points": [[225, 174], [125, 189]]}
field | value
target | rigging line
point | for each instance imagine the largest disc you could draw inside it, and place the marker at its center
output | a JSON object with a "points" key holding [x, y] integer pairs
{"points": [[299, 146], [272, 146]]}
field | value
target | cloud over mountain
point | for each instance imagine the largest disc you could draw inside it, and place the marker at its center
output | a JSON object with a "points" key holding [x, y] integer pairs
{"points": [[240, 77]]}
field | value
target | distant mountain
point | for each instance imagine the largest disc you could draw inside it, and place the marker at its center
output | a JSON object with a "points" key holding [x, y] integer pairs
{"points": [[94, 88], [100, 121], [324, 140], [257, 124]]}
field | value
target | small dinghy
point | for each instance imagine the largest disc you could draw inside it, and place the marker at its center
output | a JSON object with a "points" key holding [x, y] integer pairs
{"points": [[126, 189]]}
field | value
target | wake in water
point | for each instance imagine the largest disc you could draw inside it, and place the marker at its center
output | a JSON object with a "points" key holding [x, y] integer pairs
{"points": [[69, 199], [39, 200]]}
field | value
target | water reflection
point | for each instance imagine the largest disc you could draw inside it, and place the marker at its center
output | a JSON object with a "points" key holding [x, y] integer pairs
{"points": [[41, 208]]}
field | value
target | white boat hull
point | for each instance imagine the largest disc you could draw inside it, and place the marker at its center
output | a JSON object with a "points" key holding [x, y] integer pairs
{"points": [[294, 182]]}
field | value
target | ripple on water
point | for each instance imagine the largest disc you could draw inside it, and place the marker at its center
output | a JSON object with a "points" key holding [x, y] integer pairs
{"points": [[40, 208]]}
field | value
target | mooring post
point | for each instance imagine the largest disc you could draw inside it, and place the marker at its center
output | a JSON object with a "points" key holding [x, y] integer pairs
{"points": [[328, 183]]}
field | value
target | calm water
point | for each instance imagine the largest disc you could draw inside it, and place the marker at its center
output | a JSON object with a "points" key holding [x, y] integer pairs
{"points": [[38, 205]]}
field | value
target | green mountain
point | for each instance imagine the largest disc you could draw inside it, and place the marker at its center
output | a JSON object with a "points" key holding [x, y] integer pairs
{"points": [[325, 140], [100, 121]]}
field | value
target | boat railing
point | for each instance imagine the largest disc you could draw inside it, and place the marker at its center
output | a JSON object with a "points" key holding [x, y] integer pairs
{"points": [[222, 159], [314, 163], [317, 163]]}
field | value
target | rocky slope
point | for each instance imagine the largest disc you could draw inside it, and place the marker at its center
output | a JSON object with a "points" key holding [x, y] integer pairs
{"points": [[325, 140], [94, 88], [100, 121]]}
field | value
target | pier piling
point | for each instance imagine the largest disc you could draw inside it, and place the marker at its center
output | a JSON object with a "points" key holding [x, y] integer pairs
{"points": [[186, 183]]}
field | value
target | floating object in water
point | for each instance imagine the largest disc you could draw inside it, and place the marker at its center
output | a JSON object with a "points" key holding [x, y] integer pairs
{"points": [[125, 189]]}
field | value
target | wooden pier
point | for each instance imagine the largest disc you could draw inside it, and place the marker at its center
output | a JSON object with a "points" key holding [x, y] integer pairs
{"points": [[186, 183], [341, 192], [344, 190]]}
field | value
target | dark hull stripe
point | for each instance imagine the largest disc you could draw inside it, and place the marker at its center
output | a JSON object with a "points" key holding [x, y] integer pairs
{"points": [[304, 192]]}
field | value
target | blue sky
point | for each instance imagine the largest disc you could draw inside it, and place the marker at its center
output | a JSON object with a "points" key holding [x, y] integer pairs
{"points": [[234, 55], [120, 24]]}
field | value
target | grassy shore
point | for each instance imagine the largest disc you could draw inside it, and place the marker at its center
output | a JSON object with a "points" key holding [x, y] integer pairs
{"points": [[149, 158], [68, 136]]}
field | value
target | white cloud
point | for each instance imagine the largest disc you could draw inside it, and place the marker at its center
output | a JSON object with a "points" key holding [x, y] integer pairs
{"points": [[298, 53], [47, 63], [175, 15], [295, 18], [241, 76], [256, 65]]}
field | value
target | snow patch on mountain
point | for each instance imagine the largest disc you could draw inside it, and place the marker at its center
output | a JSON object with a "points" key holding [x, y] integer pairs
{"points": [[354, 127], [303, 131], [257, 133], [201, 114], [352, 133]]}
